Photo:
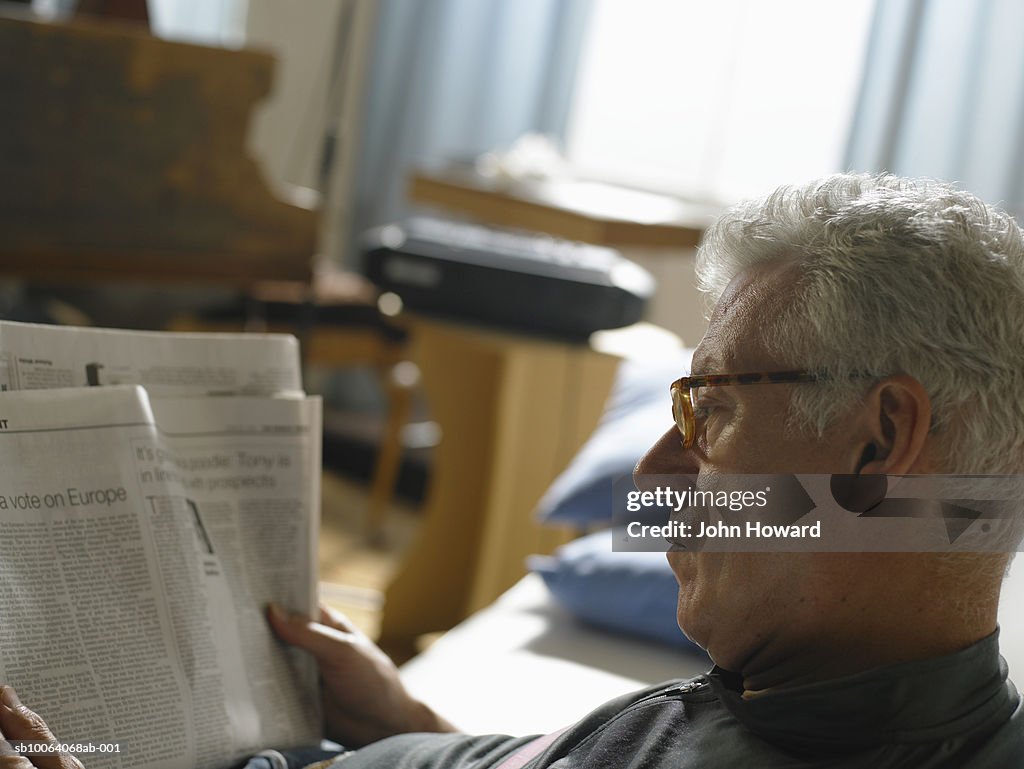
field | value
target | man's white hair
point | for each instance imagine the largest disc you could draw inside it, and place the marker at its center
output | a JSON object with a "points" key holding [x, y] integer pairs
{"points": [[894, 276]]}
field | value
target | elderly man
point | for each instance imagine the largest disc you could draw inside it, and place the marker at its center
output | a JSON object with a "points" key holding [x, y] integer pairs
{"points": [[905, 299]]}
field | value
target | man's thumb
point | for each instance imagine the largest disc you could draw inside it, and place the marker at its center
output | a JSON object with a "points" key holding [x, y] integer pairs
{"points": [[321, 641]]}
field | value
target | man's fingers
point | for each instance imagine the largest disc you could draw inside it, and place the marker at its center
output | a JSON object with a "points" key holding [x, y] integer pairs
{"points": [[20, 724], [322, 641]]}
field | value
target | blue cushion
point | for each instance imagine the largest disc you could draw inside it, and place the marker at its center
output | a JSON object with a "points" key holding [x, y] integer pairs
{"points": [[639, 411], [630, 593]]}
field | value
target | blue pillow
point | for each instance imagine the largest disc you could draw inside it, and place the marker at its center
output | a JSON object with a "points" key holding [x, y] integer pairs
{"points": [[631, 593], [639, 411]]}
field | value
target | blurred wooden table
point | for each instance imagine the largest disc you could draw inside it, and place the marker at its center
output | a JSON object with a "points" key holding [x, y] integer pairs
{"points": [[576, 209], [515, 410]]}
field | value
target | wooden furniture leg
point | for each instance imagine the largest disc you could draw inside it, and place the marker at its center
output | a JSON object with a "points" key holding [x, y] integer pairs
{"points": [[400, 380]]}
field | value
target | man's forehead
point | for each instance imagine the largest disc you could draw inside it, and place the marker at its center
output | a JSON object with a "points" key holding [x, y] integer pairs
{"points": [[752, 298]]}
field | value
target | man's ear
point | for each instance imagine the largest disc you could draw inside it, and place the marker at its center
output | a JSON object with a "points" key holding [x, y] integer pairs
{"points": [[899, 415]]}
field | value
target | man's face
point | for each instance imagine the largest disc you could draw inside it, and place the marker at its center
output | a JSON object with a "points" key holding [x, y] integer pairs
{"points": [[732, 603]]}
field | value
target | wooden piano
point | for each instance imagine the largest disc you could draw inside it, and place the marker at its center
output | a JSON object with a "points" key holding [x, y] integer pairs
{"points": [[122, 157]]}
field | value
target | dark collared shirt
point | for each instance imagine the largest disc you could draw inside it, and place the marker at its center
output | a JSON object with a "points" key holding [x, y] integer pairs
{"points": [[955, 712]]}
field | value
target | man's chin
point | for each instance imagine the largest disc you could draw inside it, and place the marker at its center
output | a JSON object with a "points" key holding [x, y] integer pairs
{"points": [[688, 628]]}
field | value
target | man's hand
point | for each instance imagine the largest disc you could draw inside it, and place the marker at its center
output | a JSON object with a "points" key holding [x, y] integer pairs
{"points": [[19, 724], [364, 699]]}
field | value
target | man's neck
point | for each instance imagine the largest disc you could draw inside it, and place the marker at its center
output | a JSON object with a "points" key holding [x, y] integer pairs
{"points": [[867, 632]]}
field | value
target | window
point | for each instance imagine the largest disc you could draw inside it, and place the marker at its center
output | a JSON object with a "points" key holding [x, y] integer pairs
{"points": [[209, 22], [717, 100]]}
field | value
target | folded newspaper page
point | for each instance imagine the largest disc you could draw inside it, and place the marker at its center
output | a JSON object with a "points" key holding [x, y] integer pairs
{"points": [[140, 541], [35, 356], [141, 538]]}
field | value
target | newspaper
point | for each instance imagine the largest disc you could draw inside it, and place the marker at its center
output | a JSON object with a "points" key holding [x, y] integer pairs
{"points": [[141, 537], [35, 356]]}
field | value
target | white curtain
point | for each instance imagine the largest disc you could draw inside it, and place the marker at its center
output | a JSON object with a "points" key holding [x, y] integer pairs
{"points": [[453, 78], [943, 96]]}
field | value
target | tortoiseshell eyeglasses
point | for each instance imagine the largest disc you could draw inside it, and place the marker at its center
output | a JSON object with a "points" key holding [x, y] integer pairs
{"points": [[684, 395]]}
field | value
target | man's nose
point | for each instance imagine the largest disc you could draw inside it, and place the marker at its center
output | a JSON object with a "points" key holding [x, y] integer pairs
{"points": [[666, 457]]}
